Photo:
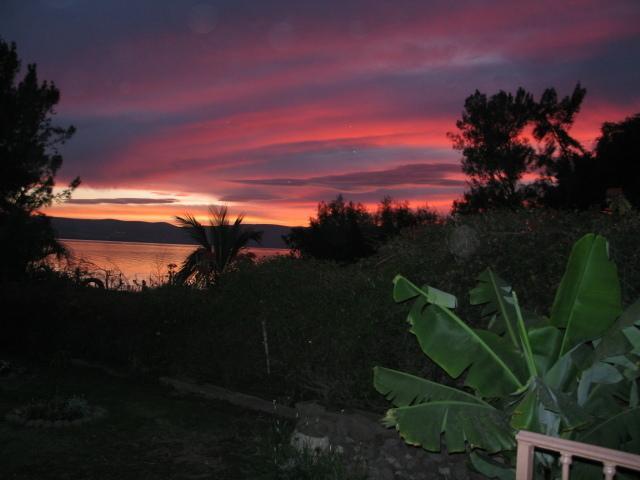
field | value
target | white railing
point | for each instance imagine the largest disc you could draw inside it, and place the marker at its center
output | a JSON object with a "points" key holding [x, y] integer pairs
{"points": [[610, 459]]}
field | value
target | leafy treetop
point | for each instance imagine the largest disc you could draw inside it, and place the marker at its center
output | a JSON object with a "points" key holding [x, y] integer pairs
{"points": [[497, 153], [29, 159]]}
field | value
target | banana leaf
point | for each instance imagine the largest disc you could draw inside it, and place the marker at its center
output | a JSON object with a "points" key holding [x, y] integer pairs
{"points": [[490, 468], [495, 294], [588, 299], [403, 389], [606, 400], [494, 367], [546, 410], [599, 373], [617, 430], [619, 338], [448, 412], [501, 302], [458, 424], [545, 345], [620, 431], [404, 290]]}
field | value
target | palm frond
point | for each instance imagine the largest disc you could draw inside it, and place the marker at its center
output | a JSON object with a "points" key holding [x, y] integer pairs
{"points": [[195, 230], [220, 244], [218, 215]]}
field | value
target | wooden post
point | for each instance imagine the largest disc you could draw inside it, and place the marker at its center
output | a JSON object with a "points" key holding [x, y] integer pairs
{"points": [[565, 461], [524, 461]]}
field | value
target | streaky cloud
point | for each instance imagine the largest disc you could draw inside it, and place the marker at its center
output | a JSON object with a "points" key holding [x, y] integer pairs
{"points": [[411, 174], [122, 201]]}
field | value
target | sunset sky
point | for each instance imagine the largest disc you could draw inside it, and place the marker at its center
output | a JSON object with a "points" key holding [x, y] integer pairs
{"points": [[272, 106]]}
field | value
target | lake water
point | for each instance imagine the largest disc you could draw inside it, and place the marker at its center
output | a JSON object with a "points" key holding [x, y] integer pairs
{"points": [[139, 261]]}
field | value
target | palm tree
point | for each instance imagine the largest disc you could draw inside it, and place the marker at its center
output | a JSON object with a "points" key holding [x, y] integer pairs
{"points": [[220, 244]]}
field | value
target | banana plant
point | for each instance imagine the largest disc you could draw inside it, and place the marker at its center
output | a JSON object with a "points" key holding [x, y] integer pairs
{"points": [[573, 374]]}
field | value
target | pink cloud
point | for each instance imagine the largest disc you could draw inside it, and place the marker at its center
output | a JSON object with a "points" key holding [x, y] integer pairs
{"points": [[319, 91]]}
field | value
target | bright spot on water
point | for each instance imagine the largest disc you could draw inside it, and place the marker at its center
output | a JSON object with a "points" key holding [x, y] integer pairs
{"points": [[202, 18]]}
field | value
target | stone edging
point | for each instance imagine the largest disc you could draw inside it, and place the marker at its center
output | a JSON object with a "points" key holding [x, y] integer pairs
{"points": [[239, 399], [364, 443]]}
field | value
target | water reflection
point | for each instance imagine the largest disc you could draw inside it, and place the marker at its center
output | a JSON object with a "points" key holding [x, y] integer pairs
{"points": [[131, 263]]}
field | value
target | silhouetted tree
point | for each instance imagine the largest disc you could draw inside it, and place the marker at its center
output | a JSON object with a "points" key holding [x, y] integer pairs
{"points": [[341, 231], [345, 232], [29, 161], [573, 184], [617, 155], [220, 246], [497, 154], [394, 216], [564, 165], [552, 120], [494, 154]]}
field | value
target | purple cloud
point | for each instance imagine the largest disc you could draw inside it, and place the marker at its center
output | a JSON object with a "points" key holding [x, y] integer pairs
{"points": [[435, 174]]}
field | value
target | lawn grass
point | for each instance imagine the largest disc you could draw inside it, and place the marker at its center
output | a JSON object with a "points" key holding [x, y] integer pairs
{"points": [[149, 433]]}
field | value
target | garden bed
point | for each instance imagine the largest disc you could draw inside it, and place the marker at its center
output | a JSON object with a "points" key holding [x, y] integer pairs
{"points": [[149, 433]]}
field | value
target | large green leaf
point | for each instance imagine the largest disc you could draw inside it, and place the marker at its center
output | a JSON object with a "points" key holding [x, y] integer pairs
{"points": [[606, 400], [598, 373], [564, 373], [490, 468], [588, 300], [495, 294], [494, 367], [546, 410], [501, 303], [632, 332], [616, 430], [404, 290], [403, 389], [459, 424], [620, 337], [545, 345]]}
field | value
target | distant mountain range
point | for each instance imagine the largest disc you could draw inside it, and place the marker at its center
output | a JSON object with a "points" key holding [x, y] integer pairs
{"points": [[148, 232]]}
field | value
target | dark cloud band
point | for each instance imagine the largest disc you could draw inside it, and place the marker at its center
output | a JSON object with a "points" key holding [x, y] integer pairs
{"points": [[122, 201], [412, 174]]}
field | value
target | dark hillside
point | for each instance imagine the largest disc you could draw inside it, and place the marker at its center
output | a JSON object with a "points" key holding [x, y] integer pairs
{"points": [[158, 232]]}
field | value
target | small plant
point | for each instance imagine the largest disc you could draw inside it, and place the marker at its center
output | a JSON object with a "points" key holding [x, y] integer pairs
{"points": [[291, 463], [56, 412], [311, 465], [572, 375]]}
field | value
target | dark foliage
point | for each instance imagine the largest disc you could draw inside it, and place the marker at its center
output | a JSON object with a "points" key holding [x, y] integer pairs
{"points": [[25, 238], [345, 232], [574, 184], [496, 154], [327, 325], [393, 216], [341, 231], [220, 245], [617, 156], [581, 180], [29, 161]]}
